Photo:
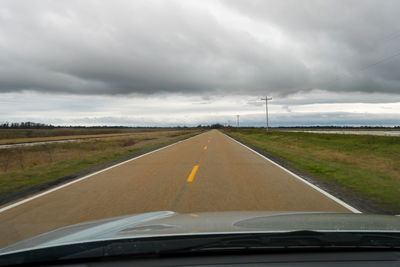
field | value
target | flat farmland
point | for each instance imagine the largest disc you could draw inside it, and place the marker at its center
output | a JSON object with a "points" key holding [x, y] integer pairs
{"points": [[361, 168], [29, 169], [207, 173], [16, 136]]}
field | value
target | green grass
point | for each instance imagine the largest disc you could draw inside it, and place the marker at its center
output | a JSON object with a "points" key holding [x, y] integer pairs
{"points": [[369, 166], [40, 168]]}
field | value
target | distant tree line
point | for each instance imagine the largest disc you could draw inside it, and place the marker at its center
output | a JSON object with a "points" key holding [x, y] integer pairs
{"points": [[35, 125], [25, 125]]}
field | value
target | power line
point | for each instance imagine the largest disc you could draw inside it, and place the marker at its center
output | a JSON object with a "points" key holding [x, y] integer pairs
{"points": [[381, 61], [392, 36], [389, 37]]}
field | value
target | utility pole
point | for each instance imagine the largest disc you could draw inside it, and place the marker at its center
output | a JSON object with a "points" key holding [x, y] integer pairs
{"points": [[238, 120], [266, 108]]}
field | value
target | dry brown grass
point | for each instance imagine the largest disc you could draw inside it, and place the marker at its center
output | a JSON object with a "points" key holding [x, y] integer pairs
{"points": [[57, 138], [24, 167], [20, 158]]}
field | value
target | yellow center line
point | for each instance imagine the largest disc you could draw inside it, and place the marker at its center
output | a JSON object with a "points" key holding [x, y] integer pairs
{"points": [[192, 174], [205, 148]]}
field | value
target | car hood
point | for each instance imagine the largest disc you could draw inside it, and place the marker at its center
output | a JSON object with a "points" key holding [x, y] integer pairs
{"points": [[166, 223]]}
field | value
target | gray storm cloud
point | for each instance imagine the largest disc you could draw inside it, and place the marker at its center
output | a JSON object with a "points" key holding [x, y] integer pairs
{"points": [[148, 47]]}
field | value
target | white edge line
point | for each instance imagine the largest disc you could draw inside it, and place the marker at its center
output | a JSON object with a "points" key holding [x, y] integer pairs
{"points": [[347, 206], [87, 176]]}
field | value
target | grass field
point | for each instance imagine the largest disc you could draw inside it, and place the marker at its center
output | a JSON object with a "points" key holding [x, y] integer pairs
{"points": [[63, 132], [368, 166], [25, 168], [58, 138]]}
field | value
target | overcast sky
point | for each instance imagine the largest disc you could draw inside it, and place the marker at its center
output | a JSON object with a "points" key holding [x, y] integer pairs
{"points": [[142, 63]]}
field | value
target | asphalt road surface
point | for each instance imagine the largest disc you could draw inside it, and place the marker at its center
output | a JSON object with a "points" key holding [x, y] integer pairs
{"points": [[209, 172]]}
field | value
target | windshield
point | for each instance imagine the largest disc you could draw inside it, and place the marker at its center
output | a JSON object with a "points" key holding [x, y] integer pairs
{"points": [[198, 117]]}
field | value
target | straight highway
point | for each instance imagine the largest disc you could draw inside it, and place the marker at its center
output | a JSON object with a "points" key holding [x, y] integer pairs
{"points": [[209, 172]]}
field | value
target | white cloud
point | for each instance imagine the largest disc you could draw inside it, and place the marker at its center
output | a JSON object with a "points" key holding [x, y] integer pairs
{"points": [[179, 109], [189, 62]]}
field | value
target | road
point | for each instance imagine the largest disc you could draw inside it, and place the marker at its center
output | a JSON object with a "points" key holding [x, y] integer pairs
{"points": [[209, 172]]}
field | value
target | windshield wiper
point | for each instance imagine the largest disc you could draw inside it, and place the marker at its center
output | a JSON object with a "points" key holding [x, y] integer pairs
{"points": [[205, 243], [304, 239]]}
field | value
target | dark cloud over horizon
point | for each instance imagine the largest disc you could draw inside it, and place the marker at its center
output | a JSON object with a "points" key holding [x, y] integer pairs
{"points": [[198, 47]]}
